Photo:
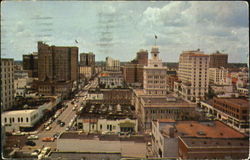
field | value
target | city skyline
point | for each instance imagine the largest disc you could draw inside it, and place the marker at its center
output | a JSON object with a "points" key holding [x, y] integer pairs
{"points": [[104, 29]]}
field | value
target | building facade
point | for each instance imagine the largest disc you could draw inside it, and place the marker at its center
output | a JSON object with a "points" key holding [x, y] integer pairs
{"points": [[193, 75], [87, 59], [133, 74], [30, 64], [218, 60], [111, 80], [7, 83], [218, 75], [142, 57], [112, 64], [154, 75], [57, 68]]}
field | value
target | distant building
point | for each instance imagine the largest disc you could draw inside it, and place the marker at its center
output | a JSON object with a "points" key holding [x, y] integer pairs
{"points": [[217, 60], [197, 140], [58, 69], [87, 59], [218, 75], [133, 74], [86, 72], [111, 80], [154, 75], [233, 111], [7, 83], [171, 78], [112, 64], [30, 64], [142, 57], [193, 75]]}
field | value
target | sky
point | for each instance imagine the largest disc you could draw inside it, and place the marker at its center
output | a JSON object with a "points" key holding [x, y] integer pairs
{"points": [[120, 29]]}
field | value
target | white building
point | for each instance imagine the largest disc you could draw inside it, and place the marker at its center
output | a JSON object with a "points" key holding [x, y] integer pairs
{"points": [[111, 80], [7, 85], [154, 75], [193, 75], [218, 75], [112, 64], [20, 119]]}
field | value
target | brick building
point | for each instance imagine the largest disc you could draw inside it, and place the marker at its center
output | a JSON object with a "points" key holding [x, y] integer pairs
{"points": [[30, 64], [133, 74], [57, 69], [217, 60], [142, 57]]}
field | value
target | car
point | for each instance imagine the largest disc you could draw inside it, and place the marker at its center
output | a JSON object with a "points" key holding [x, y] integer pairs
{"points": [[48, 128], [30, 143], [48, 139], [35, 152], [18, 133], [58, 121], [62, 124], [56, 135], [32, 137], [74, 108], [67, 129]]}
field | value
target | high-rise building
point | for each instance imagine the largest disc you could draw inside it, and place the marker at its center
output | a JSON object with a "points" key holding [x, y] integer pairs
{"points": [[7, 83], [154, 75], [112, 64], [142, 57], [30, 64], [133, 73], [218, 60], [193, 75], [57, 69], [87, 59]]}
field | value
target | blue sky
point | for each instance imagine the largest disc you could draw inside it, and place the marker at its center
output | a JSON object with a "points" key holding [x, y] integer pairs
{"points": [[120, 29]]}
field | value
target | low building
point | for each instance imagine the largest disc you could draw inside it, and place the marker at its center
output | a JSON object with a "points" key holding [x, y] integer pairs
{"points": [[233, 111], [221, 89], [152, 108], [197, 140], [108, 146], [100, 118], [111, 80], [20, 119]]}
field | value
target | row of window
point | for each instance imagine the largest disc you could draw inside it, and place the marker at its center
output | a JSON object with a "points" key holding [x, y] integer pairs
{"points": [[19, 120]]}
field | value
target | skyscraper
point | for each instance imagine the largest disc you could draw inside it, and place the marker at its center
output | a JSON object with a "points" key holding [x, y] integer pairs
{"points": [[193, 74], [142, 57], [57, 69], [154, 75], [218, 60], [87, 59], [7, 83], [30, 64]]}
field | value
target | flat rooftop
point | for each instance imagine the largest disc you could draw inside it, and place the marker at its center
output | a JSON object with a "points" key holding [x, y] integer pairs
{"points": [[105, 111], [205, 142], [237, 101], [26, 111], [130, 147], [212, 129]]}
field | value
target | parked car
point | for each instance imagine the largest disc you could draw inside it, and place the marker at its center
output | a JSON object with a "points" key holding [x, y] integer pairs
{"points": [[48, 139], [62, 124], [58, 121], [18, 133], [32, 137], [67, 129], [48, 128], [30, 143], [35, 152], [56, 135]]}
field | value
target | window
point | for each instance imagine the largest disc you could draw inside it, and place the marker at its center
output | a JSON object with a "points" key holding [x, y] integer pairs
{"points": [[5, 120], [100, 126], [13, 119], [107, 126], [18, 119], [21, 119], [27, 119]]}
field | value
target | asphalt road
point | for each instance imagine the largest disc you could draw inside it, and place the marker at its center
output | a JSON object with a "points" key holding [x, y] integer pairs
{"points": [[65, 116]]}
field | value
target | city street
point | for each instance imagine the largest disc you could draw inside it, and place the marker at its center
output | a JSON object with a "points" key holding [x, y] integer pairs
{"points": [[66, 116]]}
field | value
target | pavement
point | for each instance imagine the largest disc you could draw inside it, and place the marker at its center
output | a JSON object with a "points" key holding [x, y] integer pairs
{"points": [[65, 116]]}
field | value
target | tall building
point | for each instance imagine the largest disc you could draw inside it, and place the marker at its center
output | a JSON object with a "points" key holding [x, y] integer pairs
{"points": [[133, 74], [112, 64], [30, 64], [218, 60], [154, 75], [87, 59], [142, 57], [193, 75], [57, 69], [7, 83]]}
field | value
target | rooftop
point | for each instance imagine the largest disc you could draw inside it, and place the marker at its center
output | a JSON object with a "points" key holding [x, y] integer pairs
{"points": [[243, 103], [104, 111], [26, 111], [208, 142], [212, 129]]}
